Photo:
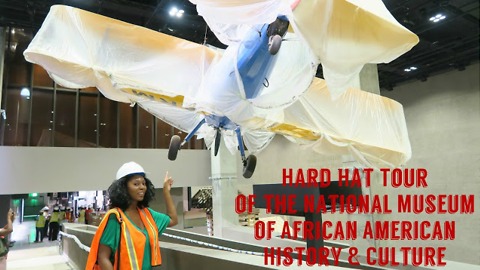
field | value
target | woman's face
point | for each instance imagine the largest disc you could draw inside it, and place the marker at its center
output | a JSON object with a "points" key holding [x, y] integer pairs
{"points": [[137, 187]]}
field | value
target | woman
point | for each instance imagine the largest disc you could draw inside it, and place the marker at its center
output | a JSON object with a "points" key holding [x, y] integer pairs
{"points": [[128, 234], [4, 232]]}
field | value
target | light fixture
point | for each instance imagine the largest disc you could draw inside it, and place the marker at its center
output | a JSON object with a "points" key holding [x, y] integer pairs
{"points": [[25, 92], [175, 12], [4, 114], [437, 18], [13, 46], [410, 69]]}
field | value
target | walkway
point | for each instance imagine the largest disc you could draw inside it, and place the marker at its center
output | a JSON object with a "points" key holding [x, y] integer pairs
{"points": [[28, 255]]}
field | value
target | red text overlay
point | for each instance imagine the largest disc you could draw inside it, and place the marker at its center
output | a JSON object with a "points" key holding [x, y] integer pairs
{"points": [[418, 231]]}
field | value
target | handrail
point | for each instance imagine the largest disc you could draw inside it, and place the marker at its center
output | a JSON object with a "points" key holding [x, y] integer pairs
{"points": [[213, 245], [82, 246], [87, 249]]}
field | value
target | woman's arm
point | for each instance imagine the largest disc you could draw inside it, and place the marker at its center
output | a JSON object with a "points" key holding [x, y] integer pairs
{"points": [[109, 242], [171, 211], [7, 229], [103, 258]]}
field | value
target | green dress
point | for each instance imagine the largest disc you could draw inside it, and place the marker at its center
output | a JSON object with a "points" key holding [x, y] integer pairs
{"points": [[111, 235]]}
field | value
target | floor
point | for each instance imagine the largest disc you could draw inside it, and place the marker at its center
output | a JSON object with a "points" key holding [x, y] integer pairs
{"points": [[25, 254]]}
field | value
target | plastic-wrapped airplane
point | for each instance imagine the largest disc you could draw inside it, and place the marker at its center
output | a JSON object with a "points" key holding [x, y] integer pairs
{"points": [[256, 88]]}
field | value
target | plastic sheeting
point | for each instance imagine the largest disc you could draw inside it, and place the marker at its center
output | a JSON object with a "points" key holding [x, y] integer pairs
{"points": [[368, 126], [343, 34], [222, 93], [180, 81], [231, 20], [81, 49]]}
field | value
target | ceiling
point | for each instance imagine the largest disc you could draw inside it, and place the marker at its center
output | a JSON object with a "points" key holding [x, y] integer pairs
{"points": [[449, 44]]}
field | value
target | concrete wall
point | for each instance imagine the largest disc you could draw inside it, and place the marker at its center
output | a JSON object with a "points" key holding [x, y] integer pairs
{"points": [[177, 196], [61, 169], [175, 254], [443, 120], [75, 253]]}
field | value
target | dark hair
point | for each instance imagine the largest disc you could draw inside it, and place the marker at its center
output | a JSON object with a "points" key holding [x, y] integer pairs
{"points": [[118, 194]]}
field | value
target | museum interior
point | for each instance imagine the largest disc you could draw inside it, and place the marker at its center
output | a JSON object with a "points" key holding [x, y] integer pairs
{"points": [[87, 86]]}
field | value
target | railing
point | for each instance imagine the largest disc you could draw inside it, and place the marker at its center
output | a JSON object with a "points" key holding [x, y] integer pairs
{"points": [[87, 249]]}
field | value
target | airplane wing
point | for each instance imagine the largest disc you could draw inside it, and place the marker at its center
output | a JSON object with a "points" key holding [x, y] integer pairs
{"points": [[127, 63], [81, 49], [368, 126], [343, 35], [170, 78]]}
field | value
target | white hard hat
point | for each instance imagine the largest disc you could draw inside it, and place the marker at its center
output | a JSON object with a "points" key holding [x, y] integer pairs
{"points": [[130, 168]]}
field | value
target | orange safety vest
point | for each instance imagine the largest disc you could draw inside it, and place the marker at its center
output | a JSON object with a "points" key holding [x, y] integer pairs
{"points": [[132, 242]]}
